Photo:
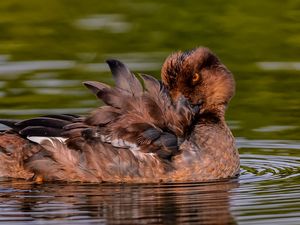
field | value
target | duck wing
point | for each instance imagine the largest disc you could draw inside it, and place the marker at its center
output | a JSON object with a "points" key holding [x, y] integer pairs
{"points": [[47, 126], [136, 117], [132, 137]]}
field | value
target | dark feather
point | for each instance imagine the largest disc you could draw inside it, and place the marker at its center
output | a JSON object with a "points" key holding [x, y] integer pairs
{"points": [[164, 153], [40, 131], [124, 79], [11, 124], [43, 121], [167, 145], [151, 134], [168, 139], [114, 97], [67, 117], [89, 133]]}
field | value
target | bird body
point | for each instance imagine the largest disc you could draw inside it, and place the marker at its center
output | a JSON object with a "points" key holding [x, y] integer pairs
{"points": [[150, 132]]}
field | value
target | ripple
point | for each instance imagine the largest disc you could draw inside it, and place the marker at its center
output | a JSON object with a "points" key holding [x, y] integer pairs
{"points": [[268, 161], [268, 167], [269, 190]]}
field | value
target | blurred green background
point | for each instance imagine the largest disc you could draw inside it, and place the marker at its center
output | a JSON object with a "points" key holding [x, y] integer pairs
{"points": [[47, 48]]}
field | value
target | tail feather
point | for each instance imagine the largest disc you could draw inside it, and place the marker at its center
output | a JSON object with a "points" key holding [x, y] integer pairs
{"points": [[10, 123], [124, 79], [47, 126], [53, 122], [41, 131], [14, 151]]}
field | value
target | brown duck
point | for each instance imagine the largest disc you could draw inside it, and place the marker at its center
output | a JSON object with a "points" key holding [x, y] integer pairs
{"points": [[169, 131]]}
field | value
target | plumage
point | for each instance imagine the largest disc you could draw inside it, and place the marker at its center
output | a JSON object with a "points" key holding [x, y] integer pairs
{"points": [[124, 79], [95, 86], [40, 131], [47, 122], [147, 131], [115, 97], [10, 123], [66, 117], [103, 115], [151, 134]]}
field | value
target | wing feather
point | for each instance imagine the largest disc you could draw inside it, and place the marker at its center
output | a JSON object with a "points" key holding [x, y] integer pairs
{"points": [[145, 120], [124, 79]]}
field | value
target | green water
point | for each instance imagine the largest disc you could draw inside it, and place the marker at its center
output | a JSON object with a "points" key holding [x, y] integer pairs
{"points": [[47, 48]]}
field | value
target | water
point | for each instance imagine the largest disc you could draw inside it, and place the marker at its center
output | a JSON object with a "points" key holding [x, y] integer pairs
{"points": [[48, 49]]}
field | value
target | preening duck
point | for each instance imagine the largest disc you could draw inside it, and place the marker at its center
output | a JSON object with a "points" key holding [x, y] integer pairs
{"points": [[148, 131]]}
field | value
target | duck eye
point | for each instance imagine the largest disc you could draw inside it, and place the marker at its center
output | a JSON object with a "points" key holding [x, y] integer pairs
{"points": [[196, 77]]}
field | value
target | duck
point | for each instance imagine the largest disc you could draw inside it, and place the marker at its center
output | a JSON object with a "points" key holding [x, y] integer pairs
{"points": [[147, 131]]}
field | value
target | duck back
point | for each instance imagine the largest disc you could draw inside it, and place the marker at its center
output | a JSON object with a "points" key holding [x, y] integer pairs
{"points": [[133, 138]]}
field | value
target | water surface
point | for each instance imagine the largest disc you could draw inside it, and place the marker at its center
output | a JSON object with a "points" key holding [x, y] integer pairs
{"points": [[48, 49]]}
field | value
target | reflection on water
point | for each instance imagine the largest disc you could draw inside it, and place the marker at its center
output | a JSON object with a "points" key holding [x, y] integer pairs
{"points": [[47, 50], [117, 204], [268, 186]]}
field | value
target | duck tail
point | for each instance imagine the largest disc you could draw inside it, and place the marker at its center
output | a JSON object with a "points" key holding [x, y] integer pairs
{"points": [[14, 152]]}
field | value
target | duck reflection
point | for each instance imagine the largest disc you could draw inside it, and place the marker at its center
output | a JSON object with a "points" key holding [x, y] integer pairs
{"points": [[118, 204]]}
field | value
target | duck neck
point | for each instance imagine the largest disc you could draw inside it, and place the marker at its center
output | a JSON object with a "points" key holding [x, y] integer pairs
{"points": [[211, 132], [216, 110], [214, 145]]}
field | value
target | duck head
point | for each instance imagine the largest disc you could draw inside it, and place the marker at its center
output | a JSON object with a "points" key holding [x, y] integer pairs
{"points": [[201, 77]]}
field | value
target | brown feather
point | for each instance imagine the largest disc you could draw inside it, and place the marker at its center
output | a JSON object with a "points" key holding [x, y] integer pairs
{"points": [[95, 86], [141, 135], [114, 97], [124, 79], [103, 115]]}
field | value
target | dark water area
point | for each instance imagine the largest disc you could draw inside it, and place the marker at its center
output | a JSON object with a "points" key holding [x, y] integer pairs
{"points": [[48, 48]]}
